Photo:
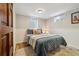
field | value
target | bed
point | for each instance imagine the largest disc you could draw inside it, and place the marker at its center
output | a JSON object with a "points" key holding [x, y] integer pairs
{"points": [[42, 43]]}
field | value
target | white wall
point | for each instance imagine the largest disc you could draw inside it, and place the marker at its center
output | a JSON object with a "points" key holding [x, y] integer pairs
{"points": [[20, 27], [22, 24], [66, 29]]}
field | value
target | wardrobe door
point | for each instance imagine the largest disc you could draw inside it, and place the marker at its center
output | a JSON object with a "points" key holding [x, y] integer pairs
{"points": [[3, 22], [6, 30]]}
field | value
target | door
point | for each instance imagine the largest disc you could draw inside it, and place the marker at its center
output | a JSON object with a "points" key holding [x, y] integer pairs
{"points": [[6, 30]]}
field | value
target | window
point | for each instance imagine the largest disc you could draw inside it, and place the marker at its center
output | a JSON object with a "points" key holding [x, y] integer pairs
{"points": [[58, 18], [33, 22]]}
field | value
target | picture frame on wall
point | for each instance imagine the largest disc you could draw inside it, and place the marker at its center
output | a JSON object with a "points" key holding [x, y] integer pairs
{"points": [[75, 18]]}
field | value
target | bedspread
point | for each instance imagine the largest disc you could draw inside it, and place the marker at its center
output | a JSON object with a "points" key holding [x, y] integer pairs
{"points": [[43, 45]]}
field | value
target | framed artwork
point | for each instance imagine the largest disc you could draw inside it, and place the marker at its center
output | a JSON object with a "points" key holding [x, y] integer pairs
{"points": [[75, 18]]}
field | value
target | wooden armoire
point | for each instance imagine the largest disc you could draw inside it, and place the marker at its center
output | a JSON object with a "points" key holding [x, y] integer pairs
{"points": [[6, 29]]}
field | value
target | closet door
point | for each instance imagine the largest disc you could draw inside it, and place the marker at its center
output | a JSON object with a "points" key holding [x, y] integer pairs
{"points": [[3, 24], [6, 30]]}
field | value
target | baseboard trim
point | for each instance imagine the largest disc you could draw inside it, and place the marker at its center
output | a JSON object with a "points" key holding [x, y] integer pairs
{"points": [[73, 46]]}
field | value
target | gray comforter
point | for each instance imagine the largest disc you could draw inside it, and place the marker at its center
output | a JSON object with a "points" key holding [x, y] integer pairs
{"points": [[45, 44]]}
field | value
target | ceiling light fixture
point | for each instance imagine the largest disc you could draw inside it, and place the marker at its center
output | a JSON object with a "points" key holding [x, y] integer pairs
{"points": [[40, 10]]}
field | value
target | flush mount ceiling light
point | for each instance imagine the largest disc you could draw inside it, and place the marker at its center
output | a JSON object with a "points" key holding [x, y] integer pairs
{"points": [[40, 10]]}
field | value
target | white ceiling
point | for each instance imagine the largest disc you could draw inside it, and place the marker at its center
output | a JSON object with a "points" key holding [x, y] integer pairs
{"points": [[51, 9]]}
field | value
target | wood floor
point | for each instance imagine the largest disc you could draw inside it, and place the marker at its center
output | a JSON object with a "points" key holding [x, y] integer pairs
{"points": [[21, 45], [63, 51]]}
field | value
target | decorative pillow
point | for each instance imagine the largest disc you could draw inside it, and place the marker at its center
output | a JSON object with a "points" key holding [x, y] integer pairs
{"points": [[29, 31], [37, 31], [34, 31]]}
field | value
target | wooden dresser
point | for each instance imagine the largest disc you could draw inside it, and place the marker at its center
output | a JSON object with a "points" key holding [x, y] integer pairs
{"points": [[6, 29]]}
